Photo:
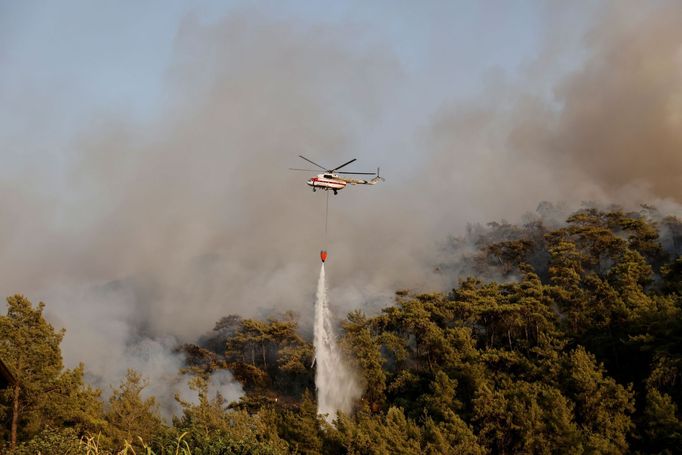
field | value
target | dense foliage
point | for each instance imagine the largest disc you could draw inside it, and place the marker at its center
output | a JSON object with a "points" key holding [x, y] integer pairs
{"points": [[565, 337]]}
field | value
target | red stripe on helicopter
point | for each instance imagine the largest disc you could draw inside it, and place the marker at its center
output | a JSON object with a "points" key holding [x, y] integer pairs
{"points": [[332, 182]]}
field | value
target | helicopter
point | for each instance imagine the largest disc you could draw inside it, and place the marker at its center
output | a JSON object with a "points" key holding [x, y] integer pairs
{"points": [[331, 179]]}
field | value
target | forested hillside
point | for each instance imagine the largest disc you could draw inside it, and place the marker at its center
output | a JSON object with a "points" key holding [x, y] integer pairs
{"points": [[566, 337]]}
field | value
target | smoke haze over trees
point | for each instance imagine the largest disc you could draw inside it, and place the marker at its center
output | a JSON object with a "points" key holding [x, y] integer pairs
{"points": [[573, 348]]}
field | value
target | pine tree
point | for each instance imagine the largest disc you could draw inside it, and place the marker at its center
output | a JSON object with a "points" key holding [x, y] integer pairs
{"points": [[364, 348], [662, 428], [603, 407], [131, 417], [44, 395]]}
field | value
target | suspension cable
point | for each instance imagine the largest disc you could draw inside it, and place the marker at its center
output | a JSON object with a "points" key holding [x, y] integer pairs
{"points": [[326, 217]]}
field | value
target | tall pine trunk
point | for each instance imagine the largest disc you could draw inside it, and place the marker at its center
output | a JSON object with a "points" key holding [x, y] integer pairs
{"points": [[15, 417]]}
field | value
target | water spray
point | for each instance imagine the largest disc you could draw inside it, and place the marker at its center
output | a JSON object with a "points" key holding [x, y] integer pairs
{"points": [[336, 384]]}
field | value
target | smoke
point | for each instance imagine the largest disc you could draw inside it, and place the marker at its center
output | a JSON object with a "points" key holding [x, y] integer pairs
{"points": [[220, 383], [161, 365], [139, 232], [622, 112], [337, 386], [610, 132]]}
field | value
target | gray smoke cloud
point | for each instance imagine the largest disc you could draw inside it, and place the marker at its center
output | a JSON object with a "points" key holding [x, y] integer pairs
{"points": [[151, 230], [609, 133]]}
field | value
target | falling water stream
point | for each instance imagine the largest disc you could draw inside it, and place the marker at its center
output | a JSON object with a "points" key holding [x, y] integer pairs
{"points": [[337, 386]]}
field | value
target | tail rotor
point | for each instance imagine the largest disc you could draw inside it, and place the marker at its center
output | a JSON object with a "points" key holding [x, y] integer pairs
{"points": [[378, 178]]}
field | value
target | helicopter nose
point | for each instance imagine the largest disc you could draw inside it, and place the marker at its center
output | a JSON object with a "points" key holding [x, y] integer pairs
{"points": [[309, 182]]}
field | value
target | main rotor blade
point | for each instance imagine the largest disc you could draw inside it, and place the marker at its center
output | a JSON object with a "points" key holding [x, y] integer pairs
{"points": [[312, 162], [358, 173], [345, 164], [307, 170]]}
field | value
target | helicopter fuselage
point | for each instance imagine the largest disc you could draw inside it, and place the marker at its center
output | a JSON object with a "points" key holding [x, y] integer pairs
{"points": [[326, 182]]}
